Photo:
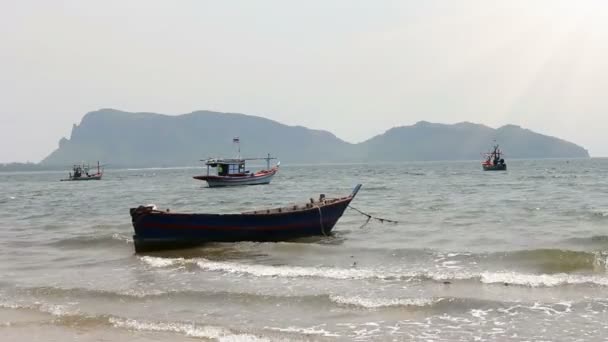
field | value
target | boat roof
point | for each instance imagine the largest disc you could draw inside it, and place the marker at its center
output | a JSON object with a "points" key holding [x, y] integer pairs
{"points": [[214, 162], [233, 161]]}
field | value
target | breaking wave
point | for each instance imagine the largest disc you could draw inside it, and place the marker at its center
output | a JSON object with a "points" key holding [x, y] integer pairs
{"points": [[187, 329], [555, 260], [509, 278], [541, 280], [374, 303], [75, 318]]}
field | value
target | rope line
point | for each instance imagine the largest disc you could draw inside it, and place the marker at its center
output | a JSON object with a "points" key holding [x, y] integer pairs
{"points": [[370, 217], [321, 221]]}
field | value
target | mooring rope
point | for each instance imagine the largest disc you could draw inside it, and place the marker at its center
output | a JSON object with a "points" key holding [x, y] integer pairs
{"points": [[370, 217], [321, 220]]}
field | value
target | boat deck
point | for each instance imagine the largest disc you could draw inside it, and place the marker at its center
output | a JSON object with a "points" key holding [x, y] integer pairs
{"points": [[296, 207]]}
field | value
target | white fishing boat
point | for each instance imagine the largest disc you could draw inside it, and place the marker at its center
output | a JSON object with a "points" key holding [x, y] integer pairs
{"points": [[233, 172]]}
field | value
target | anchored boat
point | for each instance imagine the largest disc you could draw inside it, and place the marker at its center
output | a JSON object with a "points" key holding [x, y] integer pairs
{"points": [[157, 229], [83, 173], [232, 172], [494, 160]]}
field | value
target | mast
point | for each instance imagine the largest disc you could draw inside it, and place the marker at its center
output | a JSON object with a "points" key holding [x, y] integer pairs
{"points": [[268, 162], [237, 141]]}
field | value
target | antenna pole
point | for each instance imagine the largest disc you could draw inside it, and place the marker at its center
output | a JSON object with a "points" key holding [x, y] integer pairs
{"points": [[237, 141]]}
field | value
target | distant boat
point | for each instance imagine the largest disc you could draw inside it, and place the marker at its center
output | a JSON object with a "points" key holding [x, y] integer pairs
{"points": [[233, 172], [156, 229], [82, 173], [494, 161]]}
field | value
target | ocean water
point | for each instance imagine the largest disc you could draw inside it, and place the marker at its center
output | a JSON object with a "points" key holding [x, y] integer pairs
{"points": [[516, 255]]}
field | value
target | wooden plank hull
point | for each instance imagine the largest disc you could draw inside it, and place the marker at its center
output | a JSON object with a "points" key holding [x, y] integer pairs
{"points": [[156, 230]]}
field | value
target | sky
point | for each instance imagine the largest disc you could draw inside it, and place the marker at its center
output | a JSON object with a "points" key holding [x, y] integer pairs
{"points": [[355, 68]]}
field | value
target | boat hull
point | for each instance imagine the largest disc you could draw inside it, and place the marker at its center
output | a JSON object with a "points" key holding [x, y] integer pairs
{"points": [[156, 230], [95, 177], [253, 179], [499, 167]]}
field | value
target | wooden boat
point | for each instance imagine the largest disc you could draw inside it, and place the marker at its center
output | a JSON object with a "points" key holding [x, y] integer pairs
{"points": [[156, 229], [82, 173], [494, 161], [232, 172]]}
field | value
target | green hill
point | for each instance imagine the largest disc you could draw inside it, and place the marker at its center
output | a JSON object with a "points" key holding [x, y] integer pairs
{"points": [[148, 139]]}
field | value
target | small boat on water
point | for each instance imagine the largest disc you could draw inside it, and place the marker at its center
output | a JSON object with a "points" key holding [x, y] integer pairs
{"points": [[494, 160], [157, 229], [233, 172], [83, 172]]}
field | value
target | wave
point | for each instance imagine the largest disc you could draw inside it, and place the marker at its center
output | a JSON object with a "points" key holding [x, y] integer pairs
{"points": [[507, 278], [305, 331], [187, 329], [51, 309], [85, 241], [78, 319], [590, 240], [319, 300], [554, 260], [374, 303], [147, 294], [600, 214], [541, 280], [46, 291]]}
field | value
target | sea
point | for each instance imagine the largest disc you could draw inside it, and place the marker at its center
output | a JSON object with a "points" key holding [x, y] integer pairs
{"points": [[519, 255]]}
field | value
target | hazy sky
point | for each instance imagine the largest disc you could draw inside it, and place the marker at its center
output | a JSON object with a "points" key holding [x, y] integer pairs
{"points": [[355, 68]]}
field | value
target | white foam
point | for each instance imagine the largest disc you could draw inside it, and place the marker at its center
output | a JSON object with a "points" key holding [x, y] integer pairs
{"points": [[257, 270], [373, 303], [142, 293], [121, 237], [13, 306], [162, 262], [324, 272], [52, 309], [480, 314], [541, 280], [188, 329], [286, 271], [55, 310], [305, 331]]}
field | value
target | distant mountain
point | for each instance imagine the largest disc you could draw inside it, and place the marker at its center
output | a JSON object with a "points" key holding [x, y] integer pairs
{"points": [[464, 141], [148, 139]]}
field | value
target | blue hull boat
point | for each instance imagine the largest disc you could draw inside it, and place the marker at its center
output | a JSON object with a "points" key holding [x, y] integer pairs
{"points": [[157, 230]]}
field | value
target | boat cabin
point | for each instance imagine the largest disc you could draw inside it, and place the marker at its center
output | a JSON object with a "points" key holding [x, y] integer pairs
{"points": [[80, 171], [227, 167], [494, 157]]}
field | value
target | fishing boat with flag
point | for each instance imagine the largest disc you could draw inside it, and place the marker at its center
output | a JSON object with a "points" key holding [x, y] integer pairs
{"points": [[233, 172], [157, 229], [494, 160], [82, 172]]}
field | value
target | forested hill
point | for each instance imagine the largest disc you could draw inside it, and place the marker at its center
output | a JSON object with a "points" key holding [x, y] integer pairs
{"points": [[148, 139]]}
